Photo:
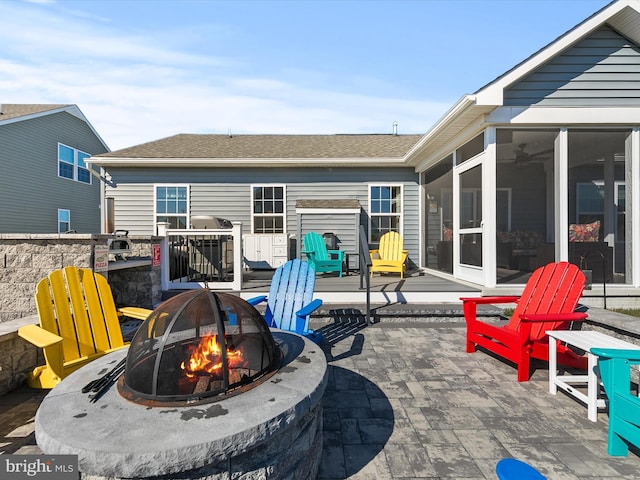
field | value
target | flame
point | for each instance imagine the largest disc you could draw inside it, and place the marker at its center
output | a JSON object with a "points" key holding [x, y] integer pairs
{"points": [[206, 358]]}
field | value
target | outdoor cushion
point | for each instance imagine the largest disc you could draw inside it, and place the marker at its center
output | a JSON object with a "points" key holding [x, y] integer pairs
{"points": [[584, 232]]}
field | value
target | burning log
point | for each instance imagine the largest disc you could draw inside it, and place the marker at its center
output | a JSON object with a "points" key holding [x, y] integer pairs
{"points": [[203, 384]]}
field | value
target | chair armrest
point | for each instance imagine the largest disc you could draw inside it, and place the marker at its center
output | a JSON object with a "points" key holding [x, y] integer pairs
{"points": [[487, 300], [256, 300], [310, 254], [632, 355], [135, 312], [554, 317], [469, 305], [309, 309], [38, 336], [339, 253]]}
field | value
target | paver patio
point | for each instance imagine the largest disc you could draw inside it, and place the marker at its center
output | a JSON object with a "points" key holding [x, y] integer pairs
{"points": [[404, 401]]}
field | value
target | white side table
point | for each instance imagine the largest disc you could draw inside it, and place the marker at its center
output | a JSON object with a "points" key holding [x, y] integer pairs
{"points": [[584, 340]]}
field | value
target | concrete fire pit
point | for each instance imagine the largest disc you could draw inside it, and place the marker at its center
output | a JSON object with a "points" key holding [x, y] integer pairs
{"points": [[271, 431]]}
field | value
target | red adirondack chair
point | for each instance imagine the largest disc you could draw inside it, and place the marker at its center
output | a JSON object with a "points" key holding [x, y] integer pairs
{"points": [[548, 302]]}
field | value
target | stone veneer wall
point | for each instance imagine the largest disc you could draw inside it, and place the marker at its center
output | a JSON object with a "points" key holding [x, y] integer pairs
{"points": [[27, 258]]}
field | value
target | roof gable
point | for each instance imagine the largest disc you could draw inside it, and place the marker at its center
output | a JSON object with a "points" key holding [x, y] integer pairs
{"points": [[20, 112], [621, 15], [23, 111], [602, 68]]}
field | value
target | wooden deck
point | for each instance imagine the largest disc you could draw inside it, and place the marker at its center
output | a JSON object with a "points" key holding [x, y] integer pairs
{"points": [[419, 287]]}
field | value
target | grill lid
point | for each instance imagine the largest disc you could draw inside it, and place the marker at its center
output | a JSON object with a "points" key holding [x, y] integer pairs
{"points": [[198, 346]]}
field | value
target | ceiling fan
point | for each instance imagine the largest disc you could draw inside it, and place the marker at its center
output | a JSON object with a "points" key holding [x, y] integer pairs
{"points": [[522, 157]]}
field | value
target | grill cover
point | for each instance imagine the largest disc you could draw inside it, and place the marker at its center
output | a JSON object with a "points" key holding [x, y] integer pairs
{"points": [[198, 346]]}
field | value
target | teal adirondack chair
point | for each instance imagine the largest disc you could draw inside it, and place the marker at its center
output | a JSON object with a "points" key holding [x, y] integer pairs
{"points": [[290, 300], [323, 260], [624, 407]]}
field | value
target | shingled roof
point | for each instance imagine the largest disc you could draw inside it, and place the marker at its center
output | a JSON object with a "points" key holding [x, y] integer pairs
{"points": [[193, 146], [15, 110]]}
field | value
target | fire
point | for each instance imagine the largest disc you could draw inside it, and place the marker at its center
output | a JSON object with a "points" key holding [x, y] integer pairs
{"points": [[206, 358]]}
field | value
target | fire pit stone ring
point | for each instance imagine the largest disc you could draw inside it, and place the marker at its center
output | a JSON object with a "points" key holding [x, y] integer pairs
{"points": [[271, 431]]}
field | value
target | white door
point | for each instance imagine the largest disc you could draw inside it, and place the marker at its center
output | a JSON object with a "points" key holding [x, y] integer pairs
{"points": [[468, 222]]}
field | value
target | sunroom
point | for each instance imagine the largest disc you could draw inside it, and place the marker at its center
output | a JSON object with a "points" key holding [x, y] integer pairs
{"points": [[542, 165], [511, 200]]}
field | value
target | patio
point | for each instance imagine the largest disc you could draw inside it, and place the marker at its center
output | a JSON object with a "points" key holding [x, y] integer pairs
{"points": [[405, 401]]}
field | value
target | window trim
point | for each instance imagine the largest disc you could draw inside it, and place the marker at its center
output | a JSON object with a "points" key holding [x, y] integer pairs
{"points": [[601, 183], [186, 215], [75, 165], [284, 207], [399, 215]]}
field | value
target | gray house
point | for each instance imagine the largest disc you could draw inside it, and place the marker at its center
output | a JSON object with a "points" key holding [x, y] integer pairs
{"points": [[45, 186], [541, 164], [278, 186]]}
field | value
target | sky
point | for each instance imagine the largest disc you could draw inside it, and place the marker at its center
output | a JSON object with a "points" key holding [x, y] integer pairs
{"points": [[141, 70]]}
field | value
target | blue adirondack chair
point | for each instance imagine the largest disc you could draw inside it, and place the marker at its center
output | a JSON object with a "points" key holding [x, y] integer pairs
{"points": [[290, 299], [322, 259], [624, 407]]}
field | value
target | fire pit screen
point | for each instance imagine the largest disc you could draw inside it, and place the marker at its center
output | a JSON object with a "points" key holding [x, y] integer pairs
{"points": [[198, 346]]}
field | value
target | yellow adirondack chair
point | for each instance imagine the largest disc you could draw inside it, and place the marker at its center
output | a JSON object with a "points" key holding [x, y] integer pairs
{"points": [[390, 256], [78, 323]]}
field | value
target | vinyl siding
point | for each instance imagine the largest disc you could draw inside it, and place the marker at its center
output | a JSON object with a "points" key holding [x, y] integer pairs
{"points": [[600, 70], [31, 191], [134, 209], [226, 193]]}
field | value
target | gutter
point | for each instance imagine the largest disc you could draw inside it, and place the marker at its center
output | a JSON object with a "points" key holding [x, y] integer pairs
{"points": [[245, 162]]}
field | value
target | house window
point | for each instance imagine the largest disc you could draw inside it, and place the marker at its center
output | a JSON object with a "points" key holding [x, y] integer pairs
{"points": [[591, 206], [71, 164], [268, 214], [64, 220], [172, 205], [590, 200], [385, 209], [621, 208]]}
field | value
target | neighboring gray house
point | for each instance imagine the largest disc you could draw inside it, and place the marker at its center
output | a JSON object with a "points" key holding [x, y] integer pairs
{"points": [[45, 186], [541, 164]]}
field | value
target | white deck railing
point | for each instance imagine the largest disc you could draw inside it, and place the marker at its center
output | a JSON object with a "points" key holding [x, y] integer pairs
{"points": [[209, 258]]}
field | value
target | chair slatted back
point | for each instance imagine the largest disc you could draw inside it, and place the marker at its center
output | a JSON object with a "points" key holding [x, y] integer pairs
{"points": [[78, 305], [617, 369], [313, 242], [291, 289], [391, 246], [553, 288]]}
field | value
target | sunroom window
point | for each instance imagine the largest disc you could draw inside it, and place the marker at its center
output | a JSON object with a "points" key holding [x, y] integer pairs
{"points": [[598, 165]]}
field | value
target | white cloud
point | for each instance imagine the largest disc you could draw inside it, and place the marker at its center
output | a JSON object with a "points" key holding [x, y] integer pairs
{"points": [[134, 88]]}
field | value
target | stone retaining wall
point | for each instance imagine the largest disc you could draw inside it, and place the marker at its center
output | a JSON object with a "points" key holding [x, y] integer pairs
{"points": [[17, 356]]}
